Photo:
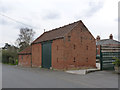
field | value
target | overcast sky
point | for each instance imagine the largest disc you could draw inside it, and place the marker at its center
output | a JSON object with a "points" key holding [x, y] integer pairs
{"points": [[100, 16]]}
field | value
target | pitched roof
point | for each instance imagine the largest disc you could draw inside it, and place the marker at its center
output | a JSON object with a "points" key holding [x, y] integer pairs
{"points": [[27, 50], [107, 41], [56, 33]]}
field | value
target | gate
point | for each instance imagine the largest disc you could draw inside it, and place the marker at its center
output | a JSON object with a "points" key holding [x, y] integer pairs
{"points": [[107, 54], [46, 54]]}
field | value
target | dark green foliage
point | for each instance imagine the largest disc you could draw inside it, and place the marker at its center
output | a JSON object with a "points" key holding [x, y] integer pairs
{"points": [[9, 55], [116, 62]]}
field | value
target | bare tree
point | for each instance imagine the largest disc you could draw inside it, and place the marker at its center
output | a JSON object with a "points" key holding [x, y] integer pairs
{"points": [[25, 38]]}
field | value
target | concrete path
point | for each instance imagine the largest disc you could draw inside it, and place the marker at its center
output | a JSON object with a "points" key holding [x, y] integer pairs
{"points": [[83, 71]]}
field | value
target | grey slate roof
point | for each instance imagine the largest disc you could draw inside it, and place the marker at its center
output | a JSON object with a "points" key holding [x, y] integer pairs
{"points": [[107, 41]]}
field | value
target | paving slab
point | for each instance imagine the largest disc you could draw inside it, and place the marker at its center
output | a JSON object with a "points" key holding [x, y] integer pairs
{"points": [[83, 71]]}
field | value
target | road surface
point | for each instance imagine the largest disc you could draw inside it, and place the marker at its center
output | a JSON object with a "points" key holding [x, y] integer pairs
{"points": [[19, 77]]}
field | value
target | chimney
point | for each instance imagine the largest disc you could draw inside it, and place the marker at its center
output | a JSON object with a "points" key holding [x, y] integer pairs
{"points": [[111, 36], [44, 30], [98, 38]]}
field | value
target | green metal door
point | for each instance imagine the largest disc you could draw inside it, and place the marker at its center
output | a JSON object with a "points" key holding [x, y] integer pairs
{"points": [[46, 55]]}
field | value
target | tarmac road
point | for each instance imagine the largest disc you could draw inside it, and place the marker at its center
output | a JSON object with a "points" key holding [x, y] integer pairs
{"points": [[19, 77]]}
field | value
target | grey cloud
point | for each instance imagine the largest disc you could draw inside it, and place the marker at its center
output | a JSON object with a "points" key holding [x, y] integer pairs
{"points": [[51, 15], [18, 26], [93, 8], [8, 23]]}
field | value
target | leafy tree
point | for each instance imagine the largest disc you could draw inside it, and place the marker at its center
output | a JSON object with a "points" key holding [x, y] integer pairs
{"points": [[5, 56], [25, 38], [9, 54]]}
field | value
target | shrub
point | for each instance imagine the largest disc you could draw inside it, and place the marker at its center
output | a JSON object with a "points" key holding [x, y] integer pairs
{"points": [[116, 62]]}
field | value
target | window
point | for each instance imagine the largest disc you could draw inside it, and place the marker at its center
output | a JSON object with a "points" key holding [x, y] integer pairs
{"points": [[90, 38], [81, 39], [57, 60], [74, 46], [86, 47], [57, 47], [74, 60], [86, 59], [81, 29], [69, 38]]}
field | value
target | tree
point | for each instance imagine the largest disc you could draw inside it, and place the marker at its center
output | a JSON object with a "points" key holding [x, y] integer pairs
{"points": [[6, 46], [25, 38], [9, 54]]}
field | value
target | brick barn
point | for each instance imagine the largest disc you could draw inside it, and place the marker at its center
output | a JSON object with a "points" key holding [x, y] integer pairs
{"points": [[70, 46], [25, 57]]}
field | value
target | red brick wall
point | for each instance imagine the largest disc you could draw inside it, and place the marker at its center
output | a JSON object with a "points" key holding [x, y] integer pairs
{"points": [[82, 51], [25, 60], [36, 55], [98, 49], [58, 54]]}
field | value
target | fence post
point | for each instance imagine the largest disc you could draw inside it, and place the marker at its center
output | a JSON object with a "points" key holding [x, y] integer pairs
{"points": [[101, 63]]}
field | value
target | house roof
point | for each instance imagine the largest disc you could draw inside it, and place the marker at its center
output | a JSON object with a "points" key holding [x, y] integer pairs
{"points": [[27, 50], [107, 41], [56, 33]]}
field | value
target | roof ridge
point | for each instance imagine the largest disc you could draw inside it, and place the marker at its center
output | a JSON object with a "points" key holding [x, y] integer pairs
{"points": [[37, 38], [109, 39], [62, 26], [74, 26], [116, 41]]}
